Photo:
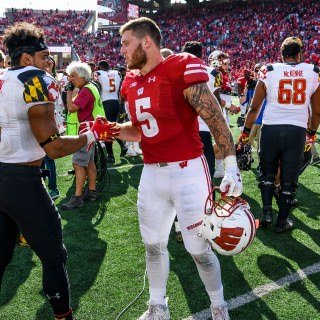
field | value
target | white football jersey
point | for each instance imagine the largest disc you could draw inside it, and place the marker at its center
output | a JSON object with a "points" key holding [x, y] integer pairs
{"points": [[289, 89], [21, 89], [215, 82], [110, 84]]}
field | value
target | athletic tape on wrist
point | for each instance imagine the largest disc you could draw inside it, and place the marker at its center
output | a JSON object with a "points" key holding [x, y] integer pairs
{"points": [[230, 162], [90, 137]]}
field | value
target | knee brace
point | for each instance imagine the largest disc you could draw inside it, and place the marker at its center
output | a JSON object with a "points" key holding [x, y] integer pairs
{"points": [[286, 197], [267, 187]]}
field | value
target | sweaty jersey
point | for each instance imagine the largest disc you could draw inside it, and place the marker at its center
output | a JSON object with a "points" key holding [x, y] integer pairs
{"points": [[110, 84], [21, 89], [289, 89], [168, 123]]}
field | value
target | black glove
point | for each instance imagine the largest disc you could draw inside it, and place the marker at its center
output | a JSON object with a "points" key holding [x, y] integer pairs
{"points": [[69, 86]]}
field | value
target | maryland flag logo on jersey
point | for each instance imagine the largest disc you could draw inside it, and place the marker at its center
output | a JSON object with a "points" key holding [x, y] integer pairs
{"points": [[40, 89]]}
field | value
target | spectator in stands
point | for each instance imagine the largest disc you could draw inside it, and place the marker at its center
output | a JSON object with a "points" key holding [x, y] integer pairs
{"points": [[85, 107], [110, 82]]}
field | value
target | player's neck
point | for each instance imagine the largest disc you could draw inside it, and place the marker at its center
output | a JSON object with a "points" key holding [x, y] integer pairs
{"points": [[152, 62]]}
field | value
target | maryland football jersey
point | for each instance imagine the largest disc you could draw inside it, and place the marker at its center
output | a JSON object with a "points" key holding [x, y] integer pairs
{"points": [[110, 84], [289, 89], [215, 79], [20, 89], [168, 123]]}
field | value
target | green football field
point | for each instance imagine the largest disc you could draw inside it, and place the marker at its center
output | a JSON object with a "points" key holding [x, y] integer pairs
{"points": [[277, 278]]}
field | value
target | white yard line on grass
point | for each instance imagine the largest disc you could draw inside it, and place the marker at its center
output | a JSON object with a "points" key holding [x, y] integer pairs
{"points": [[261, 291], [125, 166]]}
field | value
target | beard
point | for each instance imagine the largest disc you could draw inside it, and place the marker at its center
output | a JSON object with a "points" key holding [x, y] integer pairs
{"points": [[139, 59]]}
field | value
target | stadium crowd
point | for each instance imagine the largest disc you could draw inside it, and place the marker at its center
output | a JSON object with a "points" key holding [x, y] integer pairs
{"points": [[249, 33]]}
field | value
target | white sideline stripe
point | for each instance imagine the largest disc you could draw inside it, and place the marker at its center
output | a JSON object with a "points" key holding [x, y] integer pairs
{"points": [[260, 291], [126, 166]]}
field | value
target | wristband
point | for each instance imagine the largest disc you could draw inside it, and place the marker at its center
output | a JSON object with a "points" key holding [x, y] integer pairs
{"points": [[311, 132], [246, 130], [90, 137], [230, 162]]}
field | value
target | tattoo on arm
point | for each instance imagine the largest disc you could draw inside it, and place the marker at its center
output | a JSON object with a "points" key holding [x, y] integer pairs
{"points": [[206, 105]]}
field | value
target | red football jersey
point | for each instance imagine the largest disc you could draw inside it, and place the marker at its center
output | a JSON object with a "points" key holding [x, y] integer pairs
{"points": [[168, 123]]}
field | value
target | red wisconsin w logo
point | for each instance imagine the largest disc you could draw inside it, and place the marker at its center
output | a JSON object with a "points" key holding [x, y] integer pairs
{"points": [[183, 164], [229, 238]]}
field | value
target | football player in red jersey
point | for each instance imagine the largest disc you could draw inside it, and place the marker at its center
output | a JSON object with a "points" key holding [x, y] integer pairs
{"points": [[164, 97]]}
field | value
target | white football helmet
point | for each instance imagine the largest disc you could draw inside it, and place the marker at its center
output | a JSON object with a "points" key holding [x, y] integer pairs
{"points": [[217, 58], [228, 225]]}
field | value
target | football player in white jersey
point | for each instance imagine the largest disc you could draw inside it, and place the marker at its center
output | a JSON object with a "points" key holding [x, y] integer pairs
{"points": [[28, 131], [289, 88], [110, 82]]}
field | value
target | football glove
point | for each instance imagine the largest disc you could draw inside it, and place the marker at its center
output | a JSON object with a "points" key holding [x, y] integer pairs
{"points": [[310, 140], [104, 130], [231, 184], [244, 136]]}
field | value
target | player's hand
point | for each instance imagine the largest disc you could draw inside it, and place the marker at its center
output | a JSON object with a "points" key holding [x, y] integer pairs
{"points": [[244, 138], [234, 109], [85, 126], [231, 183], [104, 130], [310, 140]]}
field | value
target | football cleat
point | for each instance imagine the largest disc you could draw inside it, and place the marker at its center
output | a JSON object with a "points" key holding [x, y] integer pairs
{"points": [[156, 312], [228, 224], [220, 313]]}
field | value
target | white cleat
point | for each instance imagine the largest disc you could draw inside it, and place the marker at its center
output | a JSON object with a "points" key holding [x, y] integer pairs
{"points": [[131, 152], [220, 313], [156, 312]]}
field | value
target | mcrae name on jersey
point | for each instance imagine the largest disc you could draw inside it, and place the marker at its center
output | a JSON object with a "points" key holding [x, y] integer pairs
{"points": [[155, 102]]}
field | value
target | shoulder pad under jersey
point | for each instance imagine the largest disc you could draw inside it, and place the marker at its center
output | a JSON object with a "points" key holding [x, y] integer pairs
{"points": [[270, 67], [24, 76]]}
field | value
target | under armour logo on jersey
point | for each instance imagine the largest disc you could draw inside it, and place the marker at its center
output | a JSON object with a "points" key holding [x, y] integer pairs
{"points": [[152, 79], [57, 296], [140, 91], [183, 164]]}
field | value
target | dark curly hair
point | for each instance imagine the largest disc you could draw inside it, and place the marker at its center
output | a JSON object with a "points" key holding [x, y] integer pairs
{"points": [[22, 35]]}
